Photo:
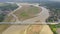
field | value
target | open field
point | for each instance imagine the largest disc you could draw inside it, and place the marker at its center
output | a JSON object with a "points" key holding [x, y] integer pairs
{"points": [[27, 11], [28, 29], [3, 27]]}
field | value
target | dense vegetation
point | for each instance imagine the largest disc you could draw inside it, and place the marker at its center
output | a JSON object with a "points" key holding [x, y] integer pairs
{"points": [[2, 17], [58, 25], [4, 7], [54, 8], [53, 28]]}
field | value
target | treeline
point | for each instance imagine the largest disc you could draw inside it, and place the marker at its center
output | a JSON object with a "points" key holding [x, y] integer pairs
{"points": [[2, 16], [54, 8]]}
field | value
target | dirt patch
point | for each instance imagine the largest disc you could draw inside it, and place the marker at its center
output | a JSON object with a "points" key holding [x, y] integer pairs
{"points": [[3, 27], [58, 30], [34, 29]]}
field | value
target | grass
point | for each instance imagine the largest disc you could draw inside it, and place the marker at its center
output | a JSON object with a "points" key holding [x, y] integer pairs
{"points": [[23, 14], [27, 12], [58, 25], [53, 28], [33, 10]]}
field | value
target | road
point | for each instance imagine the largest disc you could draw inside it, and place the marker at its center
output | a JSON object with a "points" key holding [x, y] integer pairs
{"points": [[15, 10], [17, 20], [42, 16]]}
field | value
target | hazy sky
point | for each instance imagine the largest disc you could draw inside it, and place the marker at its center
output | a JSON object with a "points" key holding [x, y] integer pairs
{"points": [[54, 0], [29, 0]]}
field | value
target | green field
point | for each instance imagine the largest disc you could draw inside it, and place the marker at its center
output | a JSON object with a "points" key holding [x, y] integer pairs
{"points": [[27, 12]]}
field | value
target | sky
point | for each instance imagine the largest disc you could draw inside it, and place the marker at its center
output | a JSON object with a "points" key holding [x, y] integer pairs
{"points": [[54, 0], [17, 0], [28, 0]]}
